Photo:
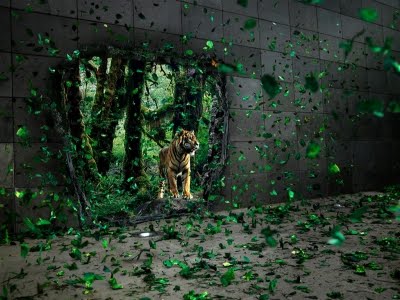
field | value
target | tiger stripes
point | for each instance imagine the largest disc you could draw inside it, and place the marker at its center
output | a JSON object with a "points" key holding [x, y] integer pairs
{"points": [[175, 161]]}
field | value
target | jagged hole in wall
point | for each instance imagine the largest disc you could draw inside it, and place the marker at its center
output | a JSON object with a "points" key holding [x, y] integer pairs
{"points": [[121, 108]]}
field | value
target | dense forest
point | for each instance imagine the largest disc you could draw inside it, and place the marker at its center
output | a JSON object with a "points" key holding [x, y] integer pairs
{"points": [[121, 112]]}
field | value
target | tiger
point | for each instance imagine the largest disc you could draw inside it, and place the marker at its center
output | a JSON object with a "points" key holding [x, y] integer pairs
{"points": [[175, 161]]}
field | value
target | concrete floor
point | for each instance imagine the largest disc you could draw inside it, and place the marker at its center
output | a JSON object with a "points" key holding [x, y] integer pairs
{"points": [[300, 267]]}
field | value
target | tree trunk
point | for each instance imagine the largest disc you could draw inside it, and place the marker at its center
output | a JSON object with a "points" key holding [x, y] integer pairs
{"points": [[218, 140], [188, 100], [71, 82], [103, 130], [133, 164]]}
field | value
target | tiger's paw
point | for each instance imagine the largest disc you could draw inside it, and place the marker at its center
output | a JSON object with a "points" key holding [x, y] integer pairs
{"points": [[175, 194], [187, 196]]}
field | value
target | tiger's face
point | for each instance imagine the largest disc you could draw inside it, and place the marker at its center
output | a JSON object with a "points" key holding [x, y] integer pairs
{"points": [[188, 142]]}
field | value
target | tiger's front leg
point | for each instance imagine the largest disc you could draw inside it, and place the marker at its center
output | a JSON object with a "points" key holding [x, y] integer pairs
{"points": [[186, 184], [173, 187]]}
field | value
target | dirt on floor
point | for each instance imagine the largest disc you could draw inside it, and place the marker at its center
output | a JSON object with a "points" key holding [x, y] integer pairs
{"points": [[344, 247]]}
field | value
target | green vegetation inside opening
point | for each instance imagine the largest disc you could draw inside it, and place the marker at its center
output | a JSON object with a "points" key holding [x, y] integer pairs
{"points": [[107, 194]]}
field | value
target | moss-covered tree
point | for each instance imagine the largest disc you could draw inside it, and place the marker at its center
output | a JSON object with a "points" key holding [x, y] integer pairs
{"points": [[134, 175]]}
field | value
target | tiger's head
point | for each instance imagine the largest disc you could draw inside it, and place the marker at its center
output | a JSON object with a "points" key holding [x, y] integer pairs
{"points": [[187, 141]]}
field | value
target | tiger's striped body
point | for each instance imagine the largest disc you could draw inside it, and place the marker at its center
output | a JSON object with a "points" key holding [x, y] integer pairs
{"points": [[175, 161]]}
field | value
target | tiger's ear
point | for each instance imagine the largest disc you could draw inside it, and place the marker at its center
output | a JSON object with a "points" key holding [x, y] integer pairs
{"points": [[179, 132], [192, 132]]}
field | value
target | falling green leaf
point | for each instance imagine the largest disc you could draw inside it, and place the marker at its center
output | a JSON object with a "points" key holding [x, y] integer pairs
{"points": [[114, 284], [210, 44], [374, 106], [42, 222], [270, 85], [250, 24], [268, 234], [228, 277], [313, 150], [368, 14], [337, 237], [23, 133], [24, 250], [311, 83], [242, 3], [333, 168]]}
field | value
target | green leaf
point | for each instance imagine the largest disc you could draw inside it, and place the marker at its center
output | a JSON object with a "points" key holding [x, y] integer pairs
{"points": [[193, 296], [272, 285], [210, 44], [337, 237], [24, 250], [374, 106], [23, 133], [368, 14], [268, 234], [311, 83], [313, 150], [250, 24], [104, 243], [333, 168], [225, 68], [42, 222], [270, 85], [114, 284], [242, 3], [360, 270], [228, 277]]}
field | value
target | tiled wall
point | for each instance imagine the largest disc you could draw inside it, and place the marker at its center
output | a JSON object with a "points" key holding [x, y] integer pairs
{"points": [[290, 40]]}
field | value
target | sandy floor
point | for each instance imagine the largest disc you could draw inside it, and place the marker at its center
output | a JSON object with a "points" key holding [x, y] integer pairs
{"points": [[223, 257]]}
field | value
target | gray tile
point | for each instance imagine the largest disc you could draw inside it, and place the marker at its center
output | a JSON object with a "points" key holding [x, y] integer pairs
{"points": [[244, 93], [276, 11], [209, 3], [5, 37], [66, 8], [6, 120], [246, 125], [307, 101], [281, 125], [357, 55], [329, 48], [303, 66], [246, 158], [5, 75], [374, 60], [393, 81], [5, 3], [303, 16], [6, 213], [34, 123], [394, 35], [157, 41], [232, 6], [274, 36], [355, 78], [95, 34], [33, 71], [329, 22], [235, 32], [158, 15], [6, 165], [350, 8], [314, 184], [250, 190], [250, 58], [278, 65], [351, 27], [305, 42], [393, 3], [333, 5], [33, 165], [61, 31], [284, 101], [333, 74], [389, 18], [340, 127], [118, 12], [377, 81], [375, 32], [202, 22]]}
